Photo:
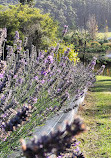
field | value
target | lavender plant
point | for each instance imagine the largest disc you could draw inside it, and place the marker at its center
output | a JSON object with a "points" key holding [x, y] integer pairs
{"points": [[56, 143], [3, 36], [42, 82], [28, 76]]}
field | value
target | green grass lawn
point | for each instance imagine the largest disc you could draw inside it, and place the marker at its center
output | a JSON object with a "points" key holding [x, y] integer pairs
{"points": [[96, 142], [103, 35]]}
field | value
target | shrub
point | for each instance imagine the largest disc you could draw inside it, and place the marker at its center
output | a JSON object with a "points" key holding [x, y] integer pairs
{"points": [[30, 22], [39, 86], [72, 53], [95, 44], [54, 142], [26, 76]]}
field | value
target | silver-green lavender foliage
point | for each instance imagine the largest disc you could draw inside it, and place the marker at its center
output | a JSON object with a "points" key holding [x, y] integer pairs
{"points": [[27, 75]]}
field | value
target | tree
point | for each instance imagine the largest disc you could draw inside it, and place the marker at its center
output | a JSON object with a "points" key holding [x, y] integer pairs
{"points": [[26, 1], [92, 26], [23, 1], [72, 12], [23, 18], [62, 11]]}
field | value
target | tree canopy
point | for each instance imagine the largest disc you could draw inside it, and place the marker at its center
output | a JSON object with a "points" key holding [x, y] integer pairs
{"points": [[26, 1], [77, 11], [29, 22], [62, 11], [74, 12]]}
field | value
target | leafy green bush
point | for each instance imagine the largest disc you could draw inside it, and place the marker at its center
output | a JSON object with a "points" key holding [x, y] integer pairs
{"points": [[62, 11], [97, 49], [72, 53], [95, 44], [40, 28]]}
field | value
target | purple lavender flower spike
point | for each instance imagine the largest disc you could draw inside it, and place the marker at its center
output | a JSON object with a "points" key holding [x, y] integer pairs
{"points": [[92, 64], [4, 139], [35, 100], [53, 143], [76, 143], [9, 49], [15, 76], [100, 71], [77, 149], [43, 81], [50, 59], [43, 73], [36, 78], [19, 46], [67, 52], [16, 36], [20, 80], [1, 76], [65, 30]]}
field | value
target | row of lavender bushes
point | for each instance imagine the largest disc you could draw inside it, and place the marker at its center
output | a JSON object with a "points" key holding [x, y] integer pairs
{"points": [[34, 87]]}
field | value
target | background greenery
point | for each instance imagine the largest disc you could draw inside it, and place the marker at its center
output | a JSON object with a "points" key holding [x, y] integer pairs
{"points": [[30, 22], [74, 12]]}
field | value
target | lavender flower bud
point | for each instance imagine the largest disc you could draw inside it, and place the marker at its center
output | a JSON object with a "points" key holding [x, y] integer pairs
{"points": [[65, 30], [1, 76], [47, 144], [92, 64], [67, 52], [16, 38], [100, 71]]}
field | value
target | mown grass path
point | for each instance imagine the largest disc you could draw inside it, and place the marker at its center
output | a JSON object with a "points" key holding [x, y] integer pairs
{"points": [[96, 142]]}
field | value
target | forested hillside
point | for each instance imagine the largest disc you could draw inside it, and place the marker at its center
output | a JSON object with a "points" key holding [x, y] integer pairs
{"points": [[74, 12], [63, 11], [82, 8]]}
